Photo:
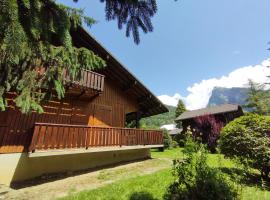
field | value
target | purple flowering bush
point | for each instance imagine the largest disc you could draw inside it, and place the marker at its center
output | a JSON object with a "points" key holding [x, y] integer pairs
{"points": [[208, 130]]}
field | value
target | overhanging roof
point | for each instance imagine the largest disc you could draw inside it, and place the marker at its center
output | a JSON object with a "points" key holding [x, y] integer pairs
{"points": [[148, 102], [175, 131], [213, 110]]}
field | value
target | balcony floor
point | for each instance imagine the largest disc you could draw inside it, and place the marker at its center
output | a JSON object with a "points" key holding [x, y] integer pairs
{"points": [[60, 152]]}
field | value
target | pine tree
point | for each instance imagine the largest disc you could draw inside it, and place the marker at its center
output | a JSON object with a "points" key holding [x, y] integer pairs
{"points": [[258, 99], [134, 14], [180, 108], [36, 33]]}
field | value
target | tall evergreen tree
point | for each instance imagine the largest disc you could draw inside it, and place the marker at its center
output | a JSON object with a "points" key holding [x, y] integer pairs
{"points": [[36, 33], [258, 99], [180, 108], [135, 15]]}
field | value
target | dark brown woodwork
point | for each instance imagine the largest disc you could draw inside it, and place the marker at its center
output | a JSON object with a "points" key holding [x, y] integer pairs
{"points": [[116, 71], [88, 80], [129, 86], [89, 136], [90, 101]]}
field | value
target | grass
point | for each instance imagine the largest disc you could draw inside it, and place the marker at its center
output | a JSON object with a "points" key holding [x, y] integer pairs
{"points": [[121, 173], [143, 187], [168, 153], [153, 186]]}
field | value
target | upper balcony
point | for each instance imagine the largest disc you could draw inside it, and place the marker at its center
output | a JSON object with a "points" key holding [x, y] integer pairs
{"points": [[88, 81], [87, 84]]}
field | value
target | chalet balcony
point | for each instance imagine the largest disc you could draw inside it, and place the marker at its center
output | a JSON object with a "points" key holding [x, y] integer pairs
{"points": [[88, 81], [48, 137]]}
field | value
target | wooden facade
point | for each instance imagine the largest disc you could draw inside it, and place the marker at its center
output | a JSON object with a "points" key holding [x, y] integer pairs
{"points": [[106, 110], [98, 103]]}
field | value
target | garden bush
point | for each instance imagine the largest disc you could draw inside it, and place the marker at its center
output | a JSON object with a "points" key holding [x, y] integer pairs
{"points": [[174, 144], [167, 139], [195, 180], [248, 139], [180, 138], [208, 130]]}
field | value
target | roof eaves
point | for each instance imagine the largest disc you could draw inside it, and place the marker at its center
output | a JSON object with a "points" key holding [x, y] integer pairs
{"points": [[164, 108], [181, 117]]}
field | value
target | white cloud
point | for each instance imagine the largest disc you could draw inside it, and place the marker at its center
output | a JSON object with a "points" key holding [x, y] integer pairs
{"points": [[171, 101], [168, 127], [199, 93]]}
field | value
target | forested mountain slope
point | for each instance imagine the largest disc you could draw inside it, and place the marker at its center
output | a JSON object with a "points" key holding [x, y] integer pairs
{"points": [[158, 120]]}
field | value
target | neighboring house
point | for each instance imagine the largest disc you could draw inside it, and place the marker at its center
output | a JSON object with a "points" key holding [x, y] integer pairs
{"points": [[84, 130], [174, 132], [223, 113]]}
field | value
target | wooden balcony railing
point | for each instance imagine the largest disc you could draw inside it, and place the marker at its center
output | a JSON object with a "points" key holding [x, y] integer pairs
{"points": [[88, 80], [63, 136]]}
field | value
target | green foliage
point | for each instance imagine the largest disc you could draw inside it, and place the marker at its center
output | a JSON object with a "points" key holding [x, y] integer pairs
{"points": [[36, 33], [125, 183], [248, 139], [135, 15], [258, 100], [140, 187], [182, 137], [195, 180], [180, 108], [167, 139], [174, 144], [155, 122]]}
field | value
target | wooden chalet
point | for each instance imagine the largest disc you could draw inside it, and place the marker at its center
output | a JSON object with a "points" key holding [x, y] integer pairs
{"points": [[223, 113], [90, 119]]}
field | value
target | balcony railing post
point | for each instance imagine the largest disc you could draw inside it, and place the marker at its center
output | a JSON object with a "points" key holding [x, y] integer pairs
{"points": [[120, 138], [34, 139], [86, 138]]}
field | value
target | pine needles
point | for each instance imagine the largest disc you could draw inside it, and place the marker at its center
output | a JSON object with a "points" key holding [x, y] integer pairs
{"points": [[36, 33], [135, 14]]}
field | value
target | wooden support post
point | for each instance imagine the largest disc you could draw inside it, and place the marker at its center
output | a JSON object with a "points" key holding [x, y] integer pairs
{"points": [[138, 118]]}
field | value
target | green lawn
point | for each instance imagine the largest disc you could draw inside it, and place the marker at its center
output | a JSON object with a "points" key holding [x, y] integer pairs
{"points": [[153, 186], [168, 153], [143, 187]]}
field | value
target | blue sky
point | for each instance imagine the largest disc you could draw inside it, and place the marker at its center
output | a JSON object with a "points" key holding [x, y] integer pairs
{"points": [[192, 40]]}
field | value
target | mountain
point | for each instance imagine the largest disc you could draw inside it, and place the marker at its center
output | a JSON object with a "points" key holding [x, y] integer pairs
{"points": [[155, 122], [219, 96], [235, 95]]}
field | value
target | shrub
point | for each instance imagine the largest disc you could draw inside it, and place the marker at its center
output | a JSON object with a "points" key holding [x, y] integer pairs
{"points": [[167, 139], [208, 130], [180, 138], [174, 144], [248, 139], [196, 180]]}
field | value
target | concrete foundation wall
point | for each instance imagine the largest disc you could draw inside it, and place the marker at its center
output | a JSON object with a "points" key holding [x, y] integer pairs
{"points": [[19, 166]]}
